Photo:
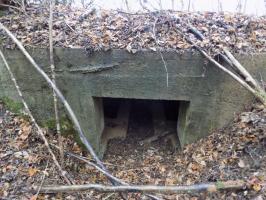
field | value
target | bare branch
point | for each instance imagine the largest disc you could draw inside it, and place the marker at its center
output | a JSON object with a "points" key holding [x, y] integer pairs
{"points": [[59, 94], [160, 4], [220, 6], [242, 70], [9, 6], [39, 130], [239, 6], [189, 4], [210, 187], [249, 83], [231, 60], [52, 66], [43, 177], [143, 6], [66, 105], [127, 6], [100, 170], [96, 167], [258, 94]]}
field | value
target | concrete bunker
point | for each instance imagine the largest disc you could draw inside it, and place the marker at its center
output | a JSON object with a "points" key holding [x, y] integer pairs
{"points": [[208, 98], [147, 120]]}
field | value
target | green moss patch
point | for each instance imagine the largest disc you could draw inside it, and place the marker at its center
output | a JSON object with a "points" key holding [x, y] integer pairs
{"points": [[13, 106], [67, 128]]}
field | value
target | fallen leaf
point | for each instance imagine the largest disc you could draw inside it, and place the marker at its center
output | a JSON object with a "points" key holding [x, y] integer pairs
{"points": [[256, 187], [32, 171], [34, 197], [25, 130]]}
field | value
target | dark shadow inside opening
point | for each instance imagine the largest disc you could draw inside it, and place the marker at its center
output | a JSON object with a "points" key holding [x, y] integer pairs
{"points": [[142, 118]]}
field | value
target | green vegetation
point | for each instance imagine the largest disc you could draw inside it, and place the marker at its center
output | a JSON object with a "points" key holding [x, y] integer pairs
{"points": [[219, 185], [13, 106], [67, 128]]}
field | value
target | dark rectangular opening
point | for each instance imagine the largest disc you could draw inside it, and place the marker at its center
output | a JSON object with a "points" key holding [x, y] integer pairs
{"points": [[141, 120]]}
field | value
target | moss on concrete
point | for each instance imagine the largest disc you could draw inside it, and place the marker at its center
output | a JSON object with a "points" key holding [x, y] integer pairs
{"points": [[13, 106], [65, 123], [67, 128], [214, 96]]}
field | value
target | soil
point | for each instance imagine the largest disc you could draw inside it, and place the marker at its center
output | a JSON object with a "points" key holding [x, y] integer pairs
{"points": [[233, 153]]}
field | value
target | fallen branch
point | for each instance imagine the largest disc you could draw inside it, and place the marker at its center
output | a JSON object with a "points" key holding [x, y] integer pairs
{"points": [[210, 187], [43, 177], [66, 105], [100, 170], [13, 7], [39, 130], [242, 70], [154, 138], [232, 61], [59, 94], [96, 167], [260, 95]]}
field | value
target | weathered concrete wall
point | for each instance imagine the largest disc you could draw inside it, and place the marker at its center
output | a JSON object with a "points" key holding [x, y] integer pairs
{"points": [[213, 96]]}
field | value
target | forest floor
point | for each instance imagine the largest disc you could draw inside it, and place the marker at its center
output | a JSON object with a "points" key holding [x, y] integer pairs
{"points": [[236, 152]]}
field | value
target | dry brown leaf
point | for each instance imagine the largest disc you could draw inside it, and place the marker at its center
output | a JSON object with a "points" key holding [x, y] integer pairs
{"points": [[34, 197], [256, 187], [25, 130], [32, 171]]}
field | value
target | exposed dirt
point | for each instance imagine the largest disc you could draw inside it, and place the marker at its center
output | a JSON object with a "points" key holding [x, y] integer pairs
{"points": [[237, 152]]}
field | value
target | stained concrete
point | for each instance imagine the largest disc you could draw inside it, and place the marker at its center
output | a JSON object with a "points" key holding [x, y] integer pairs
{"points": [[208, 97]]}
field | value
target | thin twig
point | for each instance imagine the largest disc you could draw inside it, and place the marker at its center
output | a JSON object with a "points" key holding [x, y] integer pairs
{"points": [[257, 92], [160, 4], [43, 177], [96, 167], [216, 63], [143, 6], [188, 7], [39, 130], [9, 6], [127, 6], [59, 94], [52, 65], [231, 60], [160, 53], [108, 196], [66, 105], [99, 169]]}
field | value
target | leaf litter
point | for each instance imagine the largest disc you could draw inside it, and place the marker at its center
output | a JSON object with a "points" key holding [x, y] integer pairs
{"points": [[97, 30], [235, 152]]}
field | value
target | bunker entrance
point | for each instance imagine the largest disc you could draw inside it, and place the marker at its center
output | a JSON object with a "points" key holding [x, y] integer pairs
{"points": [[143, 121]]}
